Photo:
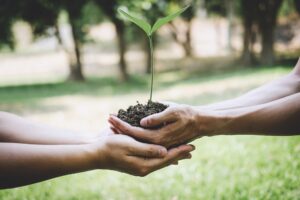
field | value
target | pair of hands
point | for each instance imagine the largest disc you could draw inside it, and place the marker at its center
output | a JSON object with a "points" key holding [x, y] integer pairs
{"points": [[164, 146], [180, 124], [125, 154]]}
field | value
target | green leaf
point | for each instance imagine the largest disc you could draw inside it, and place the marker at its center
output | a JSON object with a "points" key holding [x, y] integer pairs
{"points": [[160, 22], [139, 22]]}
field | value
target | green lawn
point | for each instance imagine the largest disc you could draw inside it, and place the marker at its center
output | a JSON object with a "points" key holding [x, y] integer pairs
{"points": [[237, 167]]}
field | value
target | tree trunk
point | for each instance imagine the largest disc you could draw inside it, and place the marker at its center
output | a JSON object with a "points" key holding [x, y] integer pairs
{"points": [[230, 18], [267, 16], [267, 53], [248, 10], [119, 26], [187, 45], [109, 8], [75, 56], [247, 54], [58, 36]]}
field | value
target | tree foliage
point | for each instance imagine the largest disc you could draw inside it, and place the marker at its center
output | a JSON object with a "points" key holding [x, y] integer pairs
{"points": [[258, 17]]}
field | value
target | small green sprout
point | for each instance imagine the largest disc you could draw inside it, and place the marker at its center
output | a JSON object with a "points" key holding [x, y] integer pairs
{"points": [[149, 30]]}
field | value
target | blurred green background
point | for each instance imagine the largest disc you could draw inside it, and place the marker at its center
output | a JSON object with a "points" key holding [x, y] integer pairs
{"points": [[71, 63]]}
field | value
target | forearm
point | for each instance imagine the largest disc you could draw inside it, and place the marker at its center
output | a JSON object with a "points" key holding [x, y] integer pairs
{"points": [[14, 129], [22, 164], [280, 117], [286, 86]]}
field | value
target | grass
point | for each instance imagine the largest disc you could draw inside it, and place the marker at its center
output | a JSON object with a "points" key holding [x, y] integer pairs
{"points": [[224, 167]]}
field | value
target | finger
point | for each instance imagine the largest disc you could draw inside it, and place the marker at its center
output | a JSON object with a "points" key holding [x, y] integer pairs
{"points": [[147, 150], [172, 156], [158, 119], [114, 130], [171, 129], [179, 151], [136, 132], [184, 157]]}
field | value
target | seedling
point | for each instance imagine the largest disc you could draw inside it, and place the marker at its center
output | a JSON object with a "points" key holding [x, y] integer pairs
{"points": [[134, 114], [150, 30]]}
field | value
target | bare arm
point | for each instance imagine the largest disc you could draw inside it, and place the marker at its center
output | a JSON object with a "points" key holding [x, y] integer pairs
{"points": [[15, 129], [285, 86], [280, 117], [23, 164], [186, 123]]}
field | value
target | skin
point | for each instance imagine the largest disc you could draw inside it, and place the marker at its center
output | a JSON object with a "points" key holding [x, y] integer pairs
{"points": [[26, 157], [12, 128], [273, 109]]}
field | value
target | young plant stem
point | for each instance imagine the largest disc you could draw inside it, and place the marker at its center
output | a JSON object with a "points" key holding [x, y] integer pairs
{"points": [[151, 65]]}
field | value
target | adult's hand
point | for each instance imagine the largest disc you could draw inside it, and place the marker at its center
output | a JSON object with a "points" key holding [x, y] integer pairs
{"points": [[179, 124], [125, 154]]}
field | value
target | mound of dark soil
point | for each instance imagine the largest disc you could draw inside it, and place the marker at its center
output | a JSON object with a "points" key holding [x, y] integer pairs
{"points": [[134, 114]]}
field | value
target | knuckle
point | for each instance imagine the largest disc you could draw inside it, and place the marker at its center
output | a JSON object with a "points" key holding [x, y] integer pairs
{"points": [[147, 153], [131, 149], [151, 152], [126, 129], [177, 113]]}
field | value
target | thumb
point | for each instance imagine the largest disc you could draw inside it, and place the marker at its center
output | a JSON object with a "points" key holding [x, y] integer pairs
{"points": [[158, 119]]}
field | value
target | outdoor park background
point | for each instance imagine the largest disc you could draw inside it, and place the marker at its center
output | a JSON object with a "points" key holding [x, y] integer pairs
{"points": [[71, 63]]}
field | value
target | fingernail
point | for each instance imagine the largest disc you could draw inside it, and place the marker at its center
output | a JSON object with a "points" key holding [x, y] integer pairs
{"points": [[193, 147]]}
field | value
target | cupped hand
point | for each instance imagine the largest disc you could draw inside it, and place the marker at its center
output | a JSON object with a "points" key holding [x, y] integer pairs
{"points": [[179, 125], [125, 154]]}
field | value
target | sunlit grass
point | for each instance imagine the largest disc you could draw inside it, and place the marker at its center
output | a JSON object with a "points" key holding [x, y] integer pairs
{"points": [[223, 167]]}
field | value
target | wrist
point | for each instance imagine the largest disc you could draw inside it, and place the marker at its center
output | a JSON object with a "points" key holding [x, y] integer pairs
{"points": [[77, 158], [99, 153], [213, 123], [234, 121]]}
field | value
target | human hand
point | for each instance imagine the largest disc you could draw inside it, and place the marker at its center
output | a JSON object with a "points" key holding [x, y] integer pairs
{"points": [[125, 154], [180, 124]]}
